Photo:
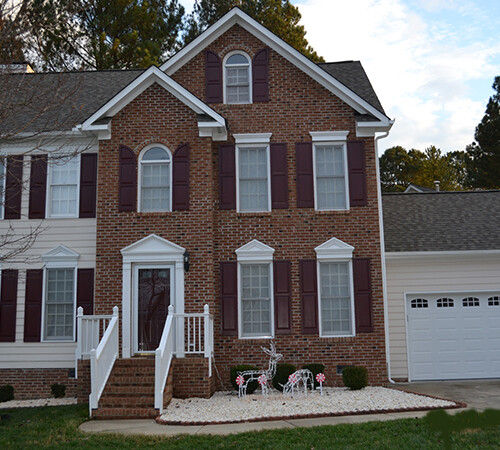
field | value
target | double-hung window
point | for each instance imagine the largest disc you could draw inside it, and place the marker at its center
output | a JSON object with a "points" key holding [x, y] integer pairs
{"points": [[64, 177], [255, 280], [253, 168], [155, 180], [237, 78], [335, 281], [330, 170]]}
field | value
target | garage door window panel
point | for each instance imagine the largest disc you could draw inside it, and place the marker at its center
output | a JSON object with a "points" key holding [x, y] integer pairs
{"points": [[420, 303], [494, 301], [470, 302], [445, 302]]}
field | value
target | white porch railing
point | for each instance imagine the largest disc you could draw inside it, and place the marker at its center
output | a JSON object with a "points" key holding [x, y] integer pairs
{"points": [[198, 339], [89, 329], [102, 360]]}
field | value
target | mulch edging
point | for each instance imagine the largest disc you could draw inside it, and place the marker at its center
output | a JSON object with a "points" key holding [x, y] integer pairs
{"points": [[456, 405]]}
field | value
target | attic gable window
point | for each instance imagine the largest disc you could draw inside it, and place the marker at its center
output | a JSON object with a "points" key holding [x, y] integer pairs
{"points": [[237, 80]]}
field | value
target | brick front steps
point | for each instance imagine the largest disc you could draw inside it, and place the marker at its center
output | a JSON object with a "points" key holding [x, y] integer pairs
{"points": [[129, 392]]}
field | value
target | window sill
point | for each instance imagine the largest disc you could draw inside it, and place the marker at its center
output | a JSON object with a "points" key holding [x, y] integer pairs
{"points": [[254, 213], [332, 211], [247, 338]]}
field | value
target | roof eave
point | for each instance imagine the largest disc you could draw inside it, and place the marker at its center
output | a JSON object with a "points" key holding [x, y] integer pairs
{"points": [[368, 129]]}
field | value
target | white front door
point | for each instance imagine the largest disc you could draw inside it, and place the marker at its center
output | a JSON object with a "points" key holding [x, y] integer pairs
{"points": [[453, 336]]}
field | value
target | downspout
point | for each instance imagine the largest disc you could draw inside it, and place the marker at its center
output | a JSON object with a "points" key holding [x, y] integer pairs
{"points": [[382, 251]]}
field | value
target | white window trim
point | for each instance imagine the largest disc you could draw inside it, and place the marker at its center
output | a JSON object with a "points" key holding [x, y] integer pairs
{"points": [[139, 174], [255, 252], [48, 205], [334, 138], [268, 157], [250, 81], [336, 251], [60, 257]]}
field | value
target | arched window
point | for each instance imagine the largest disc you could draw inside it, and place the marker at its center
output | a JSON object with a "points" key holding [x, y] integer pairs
{"points": [[155, 180], [237, 78]]}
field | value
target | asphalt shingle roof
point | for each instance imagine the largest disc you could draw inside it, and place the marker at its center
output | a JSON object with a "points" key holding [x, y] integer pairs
{"points": [[441, 221], [352, 75]]}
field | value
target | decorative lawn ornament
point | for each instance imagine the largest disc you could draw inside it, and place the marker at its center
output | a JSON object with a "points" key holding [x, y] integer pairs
{"points": [[263, 383], [320, 378], [251, 375], [299, 379], [239, 381]]}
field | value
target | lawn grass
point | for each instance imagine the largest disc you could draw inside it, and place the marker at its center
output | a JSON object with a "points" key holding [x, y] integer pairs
{"points": [[58, 427]]}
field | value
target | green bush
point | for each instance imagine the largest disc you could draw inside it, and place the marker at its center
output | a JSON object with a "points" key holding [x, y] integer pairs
{"points": [[315, 369], [6, 393], [58, 390], [355, 377], [241, 368], [283, 370]]}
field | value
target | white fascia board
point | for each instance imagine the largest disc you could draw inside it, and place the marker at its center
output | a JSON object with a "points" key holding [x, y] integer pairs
{"points": [[434, 254], [252, 138], [139, 85], [329, 136], [237, 16], [368, 129]]}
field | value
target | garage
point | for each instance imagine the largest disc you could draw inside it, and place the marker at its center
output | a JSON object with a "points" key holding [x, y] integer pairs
{"points": [[453, 335]]}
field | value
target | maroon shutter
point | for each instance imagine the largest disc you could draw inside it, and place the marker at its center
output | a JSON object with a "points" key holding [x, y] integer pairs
{"points": [[180, 184], [282, 297], [305, 175], [260, 76], [128, 179], [38, 187], [213, 78], [229, 298], [13, 187], [362, 295], [227, 176], [33, 305], [309, 296], [88, 185], [8, 301], [279, 176], [85, 291], [357, 173]]}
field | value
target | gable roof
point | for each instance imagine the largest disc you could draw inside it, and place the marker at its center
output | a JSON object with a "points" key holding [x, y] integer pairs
{"points": [[441, 221], [323, 77]]}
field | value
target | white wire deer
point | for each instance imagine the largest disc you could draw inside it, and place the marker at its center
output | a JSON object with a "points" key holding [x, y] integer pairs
{"points": [[253, 375], [302, 378]]}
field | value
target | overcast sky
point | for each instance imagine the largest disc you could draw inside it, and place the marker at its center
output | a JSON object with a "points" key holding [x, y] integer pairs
{"points": [[431, 62]]}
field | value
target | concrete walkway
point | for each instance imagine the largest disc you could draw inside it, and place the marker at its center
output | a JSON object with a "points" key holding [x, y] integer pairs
{"points": [[150, 427]]}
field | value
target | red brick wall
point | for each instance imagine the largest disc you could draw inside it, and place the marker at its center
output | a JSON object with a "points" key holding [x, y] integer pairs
{"points": [[35, 383], [297, 106], [83, 388], [191, 378]]}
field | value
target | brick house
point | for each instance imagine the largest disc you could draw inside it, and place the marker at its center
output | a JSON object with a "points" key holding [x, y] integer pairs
{"points": [[239, 175]]}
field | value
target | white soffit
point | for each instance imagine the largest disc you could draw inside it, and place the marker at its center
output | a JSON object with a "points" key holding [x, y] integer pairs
{"points": [[137, 87], [237, 16], [255, 251], [334, 249]]}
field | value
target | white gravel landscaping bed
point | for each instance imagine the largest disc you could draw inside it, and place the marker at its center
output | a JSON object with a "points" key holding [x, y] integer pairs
{"points": [[37, 402], [227, 407]]}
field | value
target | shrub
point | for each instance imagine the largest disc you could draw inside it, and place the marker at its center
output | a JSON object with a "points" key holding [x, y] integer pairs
{"points": [[241, 368], [355, 377], [58, 390], [315, 369], [6, 393], [283, 370]]}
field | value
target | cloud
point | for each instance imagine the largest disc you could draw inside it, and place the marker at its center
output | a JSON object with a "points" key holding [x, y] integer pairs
{"points": [[423, 62]]}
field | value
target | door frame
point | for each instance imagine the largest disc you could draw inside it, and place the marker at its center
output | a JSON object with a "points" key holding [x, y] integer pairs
{"points": [[135, 299], [149, 251]]}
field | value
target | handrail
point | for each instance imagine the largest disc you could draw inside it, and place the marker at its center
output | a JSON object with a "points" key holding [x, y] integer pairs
{"points": [[163, 359], [102, 360]]}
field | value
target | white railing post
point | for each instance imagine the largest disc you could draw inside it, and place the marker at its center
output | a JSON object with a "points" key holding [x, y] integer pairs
{"points": [[93, 381], [78, 351], [163, 358], [207, 338]]}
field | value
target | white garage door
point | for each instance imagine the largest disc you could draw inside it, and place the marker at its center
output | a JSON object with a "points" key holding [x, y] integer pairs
{"points": [[453, 336]]}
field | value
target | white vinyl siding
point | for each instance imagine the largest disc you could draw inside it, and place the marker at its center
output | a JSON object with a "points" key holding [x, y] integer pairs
{"points": [[255, 288], [63, 186], [155, 180], [253, 179], [335, 299], [237, 77], [59, 317], [330, 176]]}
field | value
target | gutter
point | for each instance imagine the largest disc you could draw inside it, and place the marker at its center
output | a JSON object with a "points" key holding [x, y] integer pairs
{"points": [[384, 274]]}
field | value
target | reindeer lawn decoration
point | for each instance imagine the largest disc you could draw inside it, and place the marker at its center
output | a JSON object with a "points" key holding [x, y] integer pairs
{"points": [[302, 378], [253, 375]]}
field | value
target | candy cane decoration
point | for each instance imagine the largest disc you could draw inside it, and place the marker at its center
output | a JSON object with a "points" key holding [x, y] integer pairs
{"points": [[263, 383], [239, 381], [320, 378]]}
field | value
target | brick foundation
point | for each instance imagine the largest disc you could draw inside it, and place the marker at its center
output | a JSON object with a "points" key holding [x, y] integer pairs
{"points": [[83, 386], [35, 383], [191, 378]]}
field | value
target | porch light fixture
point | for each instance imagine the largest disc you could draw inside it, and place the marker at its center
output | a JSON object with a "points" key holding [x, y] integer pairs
{"points": [[186, 261]]}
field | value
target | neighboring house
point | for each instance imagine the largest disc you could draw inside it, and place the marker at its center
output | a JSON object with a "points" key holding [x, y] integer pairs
{"points": [[443, 284], [239, 175], [415, 188]]}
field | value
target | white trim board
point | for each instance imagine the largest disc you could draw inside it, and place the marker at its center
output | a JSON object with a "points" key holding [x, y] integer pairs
{"points": [[237, 16], [417, 255]]}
